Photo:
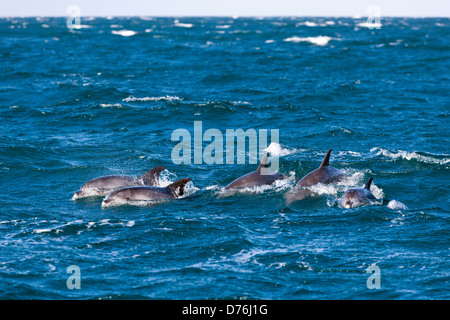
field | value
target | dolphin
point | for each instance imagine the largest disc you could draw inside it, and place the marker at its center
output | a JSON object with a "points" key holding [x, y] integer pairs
{"points": [[356, 197], [257, 178], [325, 174], [103, 186], [125, 195]]}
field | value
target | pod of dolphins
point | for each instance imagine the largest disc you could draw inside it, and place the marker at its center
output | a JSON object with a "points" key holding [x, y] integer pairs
{"points": [[118, 190]]}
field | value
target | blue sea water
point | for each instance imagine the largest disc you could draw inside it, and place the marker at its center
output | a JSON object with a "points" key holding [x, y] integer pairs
{"points": [[106, 97]]}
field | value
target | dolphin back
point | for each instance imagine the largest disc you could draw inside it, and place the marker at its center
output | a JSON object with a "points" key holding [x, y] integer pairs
{"points": [[326, 160], [177, 188], [151, 178], [368, 183], [264, 163]]}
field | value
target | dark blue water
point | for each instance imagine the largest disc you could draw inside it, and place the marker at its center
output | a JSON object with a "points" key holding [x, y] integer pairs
{"points": [[81, 103]]}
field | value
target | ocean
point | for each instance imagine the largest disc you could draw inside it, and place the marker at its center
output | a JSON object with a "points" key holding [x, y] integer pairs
{"points": [[105, 98]]}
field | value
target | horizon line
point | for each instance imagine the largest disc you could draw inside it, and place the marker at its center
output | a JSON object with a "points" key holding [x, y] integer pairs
{"points": [[221, 16]]}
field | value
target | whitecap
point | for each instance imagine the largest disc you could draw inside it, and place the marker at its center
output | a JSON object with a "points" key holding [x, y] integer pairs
{"points": [[351, 153], [124, 33], [109, 105], [409, 156], [130, 223], [269, 41], [166, 98], [182, 25], [42, 230], [310, 24], [370, 25], [396, 42], [319, 40], [80, 26]]}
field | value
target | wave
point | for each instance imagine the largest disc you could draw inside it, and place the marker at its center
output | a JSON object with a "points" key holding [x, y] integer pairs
{"points": [[319, 40], [415, 155], [79, 226]]}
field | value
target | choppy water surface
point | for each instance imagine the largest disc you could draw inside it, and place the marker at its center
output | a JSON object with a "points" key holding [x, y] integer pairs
{"points": [[105, 98]]}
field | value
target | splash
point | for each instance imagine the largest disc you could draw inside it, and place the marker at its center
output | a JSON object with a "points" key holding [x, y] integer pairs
{"points": [[396, 205], [166, 178], [277, 186], [276, 149]]}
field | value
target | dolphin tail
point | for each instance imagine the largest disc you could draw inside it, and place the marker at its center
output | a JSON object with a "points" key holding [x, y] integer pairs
{"points": [[326, 160], [151, 178], [368, 183], [264, 162], [177, 188]]}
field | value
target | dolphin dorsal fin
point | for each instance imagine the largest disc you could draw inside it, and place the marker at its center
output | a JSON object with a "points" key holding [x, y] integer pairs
{"points": [[151, 178], [177, 188], [368, 183], [264, 162], [326, 160]]}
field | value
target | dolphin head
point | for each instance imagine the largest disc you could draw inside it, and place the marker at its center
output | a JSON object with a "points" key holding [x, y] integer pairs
{"points": [[111, 201], [116, 198], [78, 195], [351, 198], [356, 197]]}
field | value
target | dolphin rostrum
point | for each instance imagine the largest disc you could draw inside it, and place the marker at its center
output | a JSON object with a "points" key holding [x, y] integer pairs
{"points": [[127, 195], [102, 186], [257, 178], [356, 197], [325, 174]]}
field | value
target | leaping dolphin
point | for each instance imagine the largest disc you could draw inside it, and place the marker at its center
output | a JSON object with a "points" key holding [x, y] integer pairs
{"points": [[257, 178], [325, 174], [103, 186], [127, 195], [356, 197]]}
